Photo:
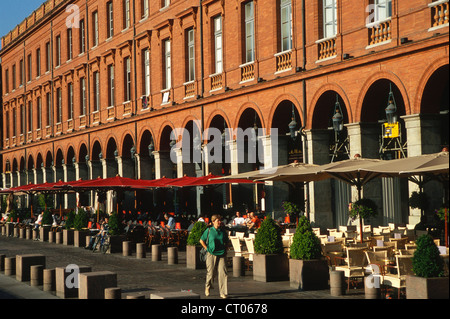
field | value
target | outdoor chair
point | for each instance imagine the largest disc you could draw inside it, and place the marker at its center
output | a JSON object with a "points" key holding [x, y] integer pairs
{"points": [[397, 278], [331, 251], [236, 242], [249, 242], [287, 241], [389, 250], [238, 252], [354, 264], [406, 252], [399, 243]]}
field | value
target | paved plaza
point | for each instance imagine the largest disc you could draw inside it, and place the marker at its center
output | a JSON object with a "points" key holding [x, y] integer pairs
{"points": [[144, 276]]}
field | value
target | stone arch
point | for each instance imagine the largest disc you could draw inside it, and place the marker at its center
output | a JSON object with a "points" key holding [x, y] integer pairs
{"points": [[427, 74], [319, 94], [369, 83], [246, 106], [279, 100]]}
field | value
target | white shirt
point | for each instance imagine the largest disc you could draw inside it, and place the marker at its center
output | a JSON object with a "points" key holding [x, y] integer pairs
{"points": [[238, 221]]}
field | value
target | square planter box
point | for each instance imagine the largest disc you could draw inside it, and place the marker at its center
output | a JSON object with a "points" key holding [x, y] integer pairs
{"points": [[267, 268], [308, 274], [426, 288], [68, 237], [116, 244], [193, 258], [43, 233], [79, 237]]}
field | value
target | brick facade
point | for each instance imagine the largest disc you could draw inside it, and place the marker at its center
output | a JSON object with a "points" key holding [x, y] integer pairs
{"points": [[409, 52]]}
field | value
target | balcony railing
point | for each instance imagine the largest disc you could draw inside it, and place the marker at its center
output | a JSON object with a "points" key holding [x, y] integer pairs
{"points": [[96, 117], [326, 48], [127, 108], [189, 89], [439, 13], [380, 32], [284, 61], [247, 71], [111, 112], [216, 81]]}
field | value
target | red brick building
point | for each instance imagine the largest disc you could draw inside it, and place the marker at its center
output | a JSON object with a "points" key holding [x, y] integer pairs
{"points": [[94, 88]]}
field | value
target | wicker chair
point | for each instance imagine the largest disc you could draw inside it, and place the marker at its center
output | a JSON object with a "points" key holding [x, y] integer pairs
{"points": [[403, 267], [354, 264]]}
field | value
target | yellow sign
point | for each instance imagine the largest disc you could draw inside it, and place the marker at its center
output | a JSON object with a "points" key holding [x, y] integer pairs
{"points": [[391, 130]]}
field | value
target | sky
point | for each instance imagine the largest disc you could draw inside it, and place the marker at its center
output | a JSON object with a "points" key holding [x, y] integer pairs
{"points": [[13, 12]]}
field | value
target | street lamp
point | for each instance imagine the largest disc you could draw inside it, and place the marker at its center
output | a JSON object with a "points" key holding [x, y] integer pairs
{"points": [[293, 125], [391, 109], [151, 148], [340, 144], [338, 119]]}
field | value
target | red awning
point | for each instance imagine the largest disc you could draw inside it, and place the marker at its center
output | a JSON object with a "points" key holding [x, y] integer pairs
{"points": [[110, 183], [206, 180]]}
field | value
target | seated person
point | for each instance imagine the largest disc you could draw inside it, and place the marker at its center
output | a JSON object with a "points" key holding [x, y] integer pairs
{"points": [[170, 221], [254, 222], [238, 220], [96, 239]]}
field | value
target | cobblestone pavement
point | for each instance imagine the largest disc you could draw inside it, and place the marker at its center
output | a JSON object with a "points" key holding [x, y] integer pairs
{"points": [[143, 276]]}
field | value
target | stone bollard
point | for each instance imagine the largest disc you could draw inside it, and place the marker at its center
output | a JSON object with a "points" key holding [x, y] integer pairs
{"points": [[140, 250], [3, 230], [66, 279], [92, 285], [135, 296], [126, 248], [238, 266], [2, 262], [10, 266], [372, 292], [172, 255], [156, 253], [58, 237], [51, 237], [35, 234], [113, 293], [24, 263], [29, 234], [36, 275], [16, 232], [337, 280], [49, 280], [22, 233]]}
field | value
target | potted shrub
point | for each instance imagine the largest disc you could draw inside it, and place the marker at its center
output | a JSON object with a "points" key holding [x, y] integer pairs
{"points": [[428, 266], [69, 229], [193, 246], [80, 224], [307, 269], [115, 229], [269, 261]]}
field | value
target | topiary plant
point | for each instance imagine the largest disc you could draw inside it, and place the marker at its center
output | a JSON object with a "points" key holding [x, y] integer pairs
{"points": [[81, 220], [47, 218], [114, 224], [418, 200], [268, 238], [426, 260], [364, 208], [70, 220], [305, 244], [197, 231]]}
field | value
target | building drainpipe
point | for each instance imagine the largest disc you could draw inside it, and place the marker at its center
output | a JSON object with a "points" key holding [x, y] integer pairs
{"points": [[305, 144]]}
